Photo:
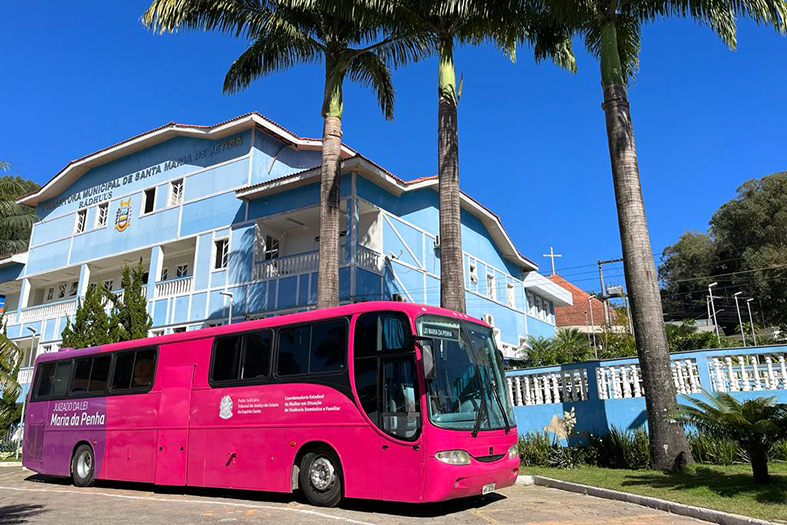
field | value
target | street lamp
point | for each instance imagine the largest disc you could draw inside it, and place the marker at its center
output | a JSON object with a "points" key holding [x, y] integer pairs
{"points": [[24, 398], [740, 321], [228, 294], [751, 321], [592, 325], [713, 308]]}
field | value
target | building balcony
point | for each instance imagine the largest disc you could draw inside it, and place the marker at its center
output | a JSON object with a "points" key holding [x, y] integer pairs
{"points": [[25, 375], [310, 261], [171, 287], [46, 311]]}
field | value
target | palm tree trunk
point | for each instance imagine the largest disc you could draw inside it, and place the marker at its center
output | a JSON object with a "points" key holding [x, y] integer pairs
{"points": [[759, 466], [452, 281], [330, 179], [668, 444]]}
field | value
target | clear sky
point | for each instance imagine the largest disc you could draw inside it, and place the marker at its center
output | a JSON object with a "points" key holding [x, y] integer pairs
{"points": [[532, 138]]}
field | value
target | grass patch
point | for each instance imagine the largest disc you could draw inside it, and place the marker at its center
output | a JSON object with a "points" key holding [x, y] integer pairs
{"points": [[12, 458], [728, 488]]}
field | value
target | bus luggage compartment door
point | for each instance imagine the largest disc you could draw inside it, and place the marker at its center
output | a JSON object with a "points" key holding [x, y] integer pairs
{"points": [[173, 423]]}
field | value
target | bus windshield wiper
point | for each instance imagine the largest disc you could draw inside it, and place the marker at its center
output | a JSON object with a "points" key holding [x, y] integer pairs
{"points": [[483, 409], [500, 404]]}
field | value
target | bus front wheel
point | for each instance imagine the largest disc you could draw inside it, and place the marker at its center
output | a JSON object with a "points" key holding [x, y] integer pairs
{"points": [[83, 466], [321, 479]]}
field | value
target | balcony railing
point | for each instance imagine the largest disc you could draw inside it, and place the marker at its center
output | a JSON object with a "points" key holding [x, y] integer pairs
{"points": [[48, 311], [287, 265], [25, 375], [10, 317], [121, 293], [179, 286], [369, 259]]}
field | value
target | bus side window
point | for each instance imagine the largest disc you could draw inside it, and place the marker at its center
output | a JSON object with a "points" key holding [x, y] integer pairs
{"points": [[46, 378], [144, 367], [81, 375], [293, 350], [226, 358], [62, 375], [257, 354], [328, 346], [134, 369], [124, 365], [99, 374]]}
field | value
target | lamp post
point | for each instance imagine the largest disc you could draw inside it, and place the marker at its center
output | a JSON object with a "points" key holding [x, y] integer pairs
{"points": [[593, 326], [24, 398], [713, 309], [751, 321], [740, 321], [228, 294]]}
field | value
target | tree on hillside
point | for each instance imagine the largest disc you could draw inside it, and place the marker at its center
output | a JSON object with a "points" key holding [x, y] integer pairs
{"points": [[611, 30], [16, 221], [745, 250], [446, 24], [131, 319], [351, 38]]}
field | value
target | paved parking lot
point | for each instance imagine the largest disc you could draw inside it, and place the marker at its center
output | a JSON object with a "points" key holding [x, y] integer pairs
{"points": [[28, 498]]}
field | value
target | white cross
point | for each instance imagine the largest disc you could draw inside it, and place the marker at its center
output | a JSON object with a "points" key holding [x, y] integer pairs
{"points": [[552, 256]]}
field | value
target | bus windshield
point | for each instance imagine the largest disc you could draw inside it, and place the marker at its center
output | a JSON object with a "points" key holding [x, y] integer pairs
{"points": [[467, 390]]}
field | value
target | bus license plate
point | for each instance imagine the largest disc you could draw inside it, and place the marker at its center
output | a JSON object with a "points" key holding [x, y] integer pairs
{"points": [[489, 487]]}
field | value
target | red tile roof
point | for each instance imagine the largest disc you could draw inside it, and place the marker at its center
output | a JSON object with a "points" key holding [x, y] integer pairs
{"points": [[574, 315]]}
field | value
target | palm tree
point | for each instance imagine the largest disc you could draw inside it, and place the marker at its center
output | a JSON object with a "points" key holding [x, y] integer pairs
{"points": [[352, 39], [10, 361], [447, 23], [16, 220], [755, 424], [611, 32]]}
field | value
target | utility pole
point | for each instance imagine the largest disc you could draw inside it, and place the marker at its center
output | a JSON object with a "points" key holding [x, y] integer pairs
{"points": [[552, 255], [740, 321], [713, 308], [593, 326], [751, 321]]}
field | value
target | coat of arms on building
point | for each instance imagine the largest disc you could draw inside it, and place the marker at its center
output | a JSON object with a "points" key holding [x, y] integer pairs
{"points": [[123, 217], [225, 408]]}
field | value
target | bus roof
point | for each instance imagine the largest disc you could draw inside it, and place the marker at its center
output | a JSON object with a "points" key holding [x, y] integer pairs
{"points": [[412, 309]]}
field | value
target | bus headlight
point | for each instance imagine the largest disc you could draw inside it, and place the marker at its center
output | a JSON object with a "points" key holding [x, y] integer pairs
{"points": [[453, 457], [513, 451]]}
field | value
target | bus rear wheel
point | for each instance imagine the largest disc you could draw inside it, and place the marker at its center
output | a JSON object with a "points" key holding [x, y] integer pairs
{"points": [[320, 478], [83, 466]]}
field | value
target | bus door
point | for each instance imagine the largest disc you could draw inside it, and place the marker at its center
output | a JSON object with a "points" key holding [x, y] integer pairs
{"points": [[402, 454], [173, 423]]}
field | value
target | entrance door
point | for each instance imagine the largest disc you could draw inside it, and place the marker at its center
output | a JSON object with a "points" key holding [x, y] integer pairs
{"points": [[173, 423], [400, 414]]}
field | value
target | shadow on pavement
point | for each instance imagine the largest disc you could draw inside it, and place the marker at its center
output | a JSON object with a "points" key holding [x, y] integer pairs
{"points": [[16, 514], [424, 510]]}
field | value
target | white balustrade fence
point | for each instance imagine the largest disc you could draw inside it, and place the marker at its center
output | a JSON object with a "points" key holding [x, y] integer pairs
{"points": [[549, 387], [25, 375], [370, 259], [48, 311], [122, 293], [625, 381], [289, 265], [745, 373], [174, 287]]}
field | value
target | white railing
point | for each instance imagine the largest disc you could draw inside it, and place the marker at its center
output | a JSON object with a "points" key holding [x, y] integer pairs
{"points": [[625, 381], [179, 286], [25, 375], [10, 317], [544, 388], [287, 265], [370, 259], [48, 311], [122, 293], [745, 373]]}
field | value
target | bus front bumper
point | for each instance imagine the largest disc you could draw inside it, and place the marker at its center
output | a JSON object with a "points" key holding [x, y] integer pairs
{"points": [[458, 481]]}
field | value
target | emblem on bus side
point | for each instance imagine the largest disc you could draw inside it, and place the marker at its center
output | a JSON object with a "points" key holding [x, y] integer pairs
{"points": [[225, 408]]}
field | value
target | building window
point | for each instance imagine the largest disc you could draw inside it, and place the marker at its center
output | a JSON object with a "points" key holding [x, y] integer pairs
{"points": [[73, 290], [490, 286], [149, 201], [222, 253], [510, 295], [50, 293], [473, 273], [176, 192], [109, 285], [101, 215], [61, 290], [81, 219], [178, 329], [156, 333], [182, 270], [271, 248]]}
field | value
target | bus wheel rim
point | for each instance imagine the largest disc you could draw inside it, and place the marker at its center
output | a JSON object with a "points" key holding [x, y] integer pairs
{"points": [[83, 465], [322, 474]]}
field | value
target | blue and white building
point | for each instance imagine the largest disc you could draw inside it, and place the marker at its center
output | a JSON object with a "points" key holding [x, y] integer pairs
{"points": [[230, 213]]}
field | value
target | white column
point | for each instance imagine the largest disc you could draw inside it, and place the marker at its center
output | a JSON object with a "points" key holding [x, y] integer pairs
{"points": [[783, 367], [744, 374], [616, 390], [693, 379], [635, 380], [84, 279], [154, 270], [528, 399], [518, 385], [756, 370], [24, 295], [719, 374], [771, 383], [624, 377], [734, 385], [555, 388]]}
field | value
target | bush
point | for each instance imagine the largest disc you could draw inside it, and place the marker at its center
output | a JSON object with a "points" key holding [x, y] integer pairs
{"points": [[779, 451], [619, 449], [715, 451], [535, 449]]}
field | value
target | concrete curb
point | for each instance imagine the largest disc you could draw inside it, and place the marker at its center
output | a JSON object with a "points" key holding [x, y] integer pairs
{"points": [[714, 516], [10, 463], [525, 480]]}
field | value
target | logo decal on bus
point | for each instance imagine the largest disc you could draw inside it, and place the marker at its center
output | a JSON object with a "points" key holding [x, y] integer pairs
{"points": [[225, 408]]}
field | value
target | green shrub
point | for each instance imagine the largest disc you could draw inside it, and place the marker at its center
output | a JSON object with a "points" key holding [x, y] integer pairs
{"points": [[779, 451], [566, 457], [619, 449], [715, 451], [535, 449]]}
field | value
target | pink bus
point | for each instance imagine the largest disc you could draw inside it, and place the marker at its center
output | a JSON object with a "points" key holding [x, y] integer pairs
{"points": [[380, 400]]}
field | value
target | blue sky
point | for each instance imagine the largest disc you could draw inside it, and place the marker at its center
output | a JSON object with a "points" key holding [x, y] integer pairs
{"points": [[532, 139]]}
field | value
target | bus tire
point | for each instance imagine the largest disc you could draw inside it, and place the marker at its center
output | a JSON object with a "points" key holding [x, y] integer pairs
{"points": [[320, 478], [83, 466]]}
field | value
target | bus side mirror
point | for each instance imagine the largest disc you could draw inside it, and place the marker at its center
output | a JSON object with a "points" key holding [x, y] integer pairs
{"points": [[427, 356]]}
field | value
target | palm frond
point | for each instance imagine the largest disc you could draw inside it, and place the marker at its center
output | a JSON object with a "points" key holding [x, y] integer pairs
{"points": [[369, 69]]}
